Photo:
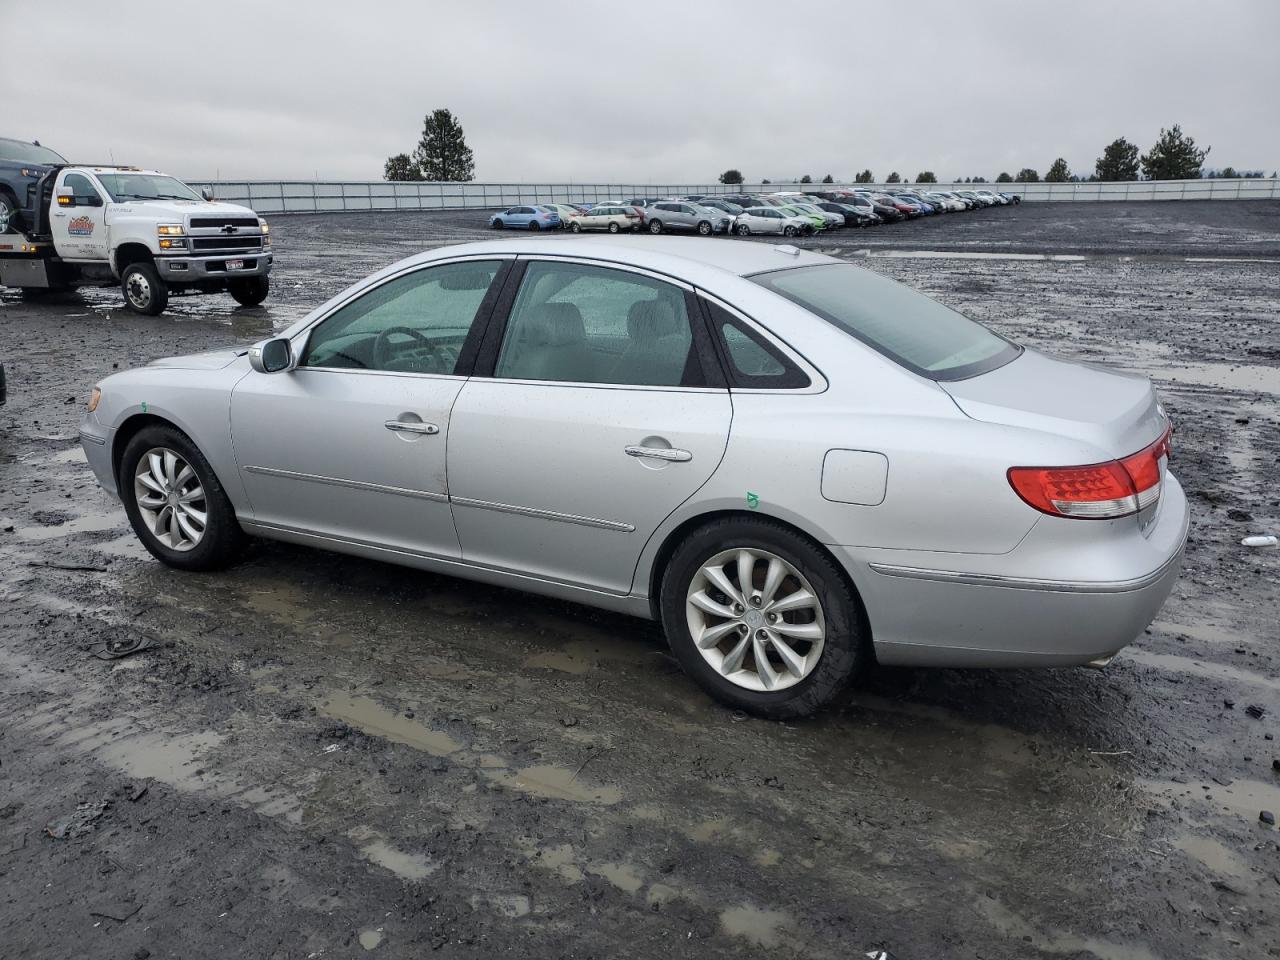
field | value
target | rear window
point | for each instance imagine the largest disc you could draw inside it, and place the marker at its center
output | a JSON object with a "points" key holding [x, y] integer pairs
{"points": [[909, 328]]}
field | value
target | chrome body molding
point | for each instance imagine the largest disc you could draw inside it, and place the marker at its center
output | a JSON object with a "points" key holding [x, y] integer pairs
{"points": [[350, 484], [615, 525], [92, 439], [1027, 583]]}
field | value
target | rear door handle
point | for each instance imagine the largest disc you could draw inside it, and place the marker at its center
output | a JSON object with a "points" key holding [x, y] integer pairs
{"points": [[659, 453], [411, 426]]}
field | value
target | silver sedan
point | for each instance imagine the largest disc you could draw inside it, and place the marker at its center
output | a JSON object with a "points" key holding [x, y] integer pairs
{"points": [[794, 464]]}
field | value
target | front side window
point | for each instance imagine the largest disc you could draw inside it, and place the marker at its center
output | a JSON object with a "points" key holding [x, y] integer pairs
{"points": [[909, 328], [81, 189], [574, 323], [416, 323]]}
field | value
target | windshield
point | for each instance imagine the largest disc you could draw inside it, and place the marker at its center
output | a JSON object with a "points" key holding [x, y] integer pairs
{"points": [[145, 186], [909, 328], [27, 152]]}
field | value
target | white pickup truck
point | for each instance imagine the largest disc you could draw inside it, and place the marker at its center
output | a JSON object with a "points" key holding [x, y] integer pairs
{"points": [[146, 231]]}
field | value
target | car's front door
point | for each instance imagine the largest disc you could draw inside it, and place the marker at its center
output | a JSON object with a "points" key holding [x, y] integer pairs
{"points": [[77, 218], [604, 412], [351, 442]]}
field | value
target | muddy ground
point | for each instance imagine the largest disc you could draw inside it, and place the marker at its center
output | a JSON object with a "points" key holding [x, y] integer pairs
{"points": [[323, 756]]}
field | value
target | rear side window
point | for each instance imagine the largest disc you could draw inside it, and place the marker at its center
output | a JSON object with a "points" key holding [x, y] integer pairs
{"points": [[909, 328], [751, 361], [575, 323]]}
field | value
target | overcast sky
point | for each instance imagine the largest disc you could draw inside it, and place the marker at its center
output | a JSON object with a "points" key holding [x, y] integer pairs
{"points": [[657, 91]]}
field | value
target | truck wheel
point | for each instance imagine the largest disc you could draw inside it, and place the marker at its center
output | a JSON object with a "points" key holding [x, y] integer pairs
{"points": [[250, 291], [8, 214], [144, 291]]}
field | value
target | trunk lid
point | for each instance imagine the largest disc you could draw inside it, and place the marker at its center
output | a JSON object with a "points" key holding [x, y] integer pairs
{"points": [[1115, 412]]}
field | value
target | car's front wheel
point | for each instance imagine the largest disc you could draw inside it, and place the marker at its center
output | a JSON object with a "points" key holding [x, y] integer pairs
{"points": [[575, 227], [762, 618], [175, 502], [788, 231], [655, 226], [704, 228], [743, 230]]}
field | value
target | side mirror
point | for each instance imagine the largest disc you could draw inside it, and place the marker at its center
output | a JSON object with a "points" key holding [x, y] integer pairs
{"points": [[207, 193], [271, 356]]}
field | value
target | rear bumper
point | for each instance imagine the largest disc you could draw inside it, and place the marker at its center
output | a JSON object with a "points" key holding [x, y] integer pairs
{"points": [[182, 269], [1015, 612]]}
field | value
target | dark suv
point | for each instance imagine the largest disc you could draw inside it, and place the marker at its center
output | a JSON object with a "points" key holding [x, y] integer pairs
{"points": [[21, 167]]}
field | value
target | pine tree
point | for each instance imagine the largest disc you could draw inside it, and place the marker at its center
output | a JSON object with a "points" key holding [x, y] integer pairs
{"points": [[1058, 172], [926, 176], [442, 153], [806, 179], [731, 176], [893, 178], [1027, 175], [864, 177], [1173, 157], [401, 168], [1119, 161], [828, 179], [1004, 178]]}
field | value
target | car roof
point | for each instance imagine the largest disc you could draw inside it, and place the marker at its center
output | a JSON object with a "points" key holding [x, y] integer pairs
{"points": [[687, 258]]}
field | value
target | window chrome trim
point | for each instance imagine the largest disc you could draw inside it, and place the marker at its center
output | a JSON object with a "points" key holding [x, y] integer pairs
{"points": [[817, 379], [350, 484], [609, 265], [616, 526]]}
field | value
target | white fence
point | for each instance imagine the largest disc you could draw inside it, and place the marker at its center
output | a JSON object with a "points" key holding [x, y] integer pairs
{"points": [[306, 196]]}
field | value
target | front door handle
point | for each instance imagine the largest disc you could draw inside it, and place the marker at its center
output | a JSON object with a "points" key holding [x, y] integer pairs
{"points": [[659, 453], [411, 426]]}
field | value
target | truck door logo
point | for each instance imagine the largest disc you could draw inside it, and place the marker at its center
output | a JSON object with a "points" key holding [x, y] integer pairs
{"points": [[80, 227]]}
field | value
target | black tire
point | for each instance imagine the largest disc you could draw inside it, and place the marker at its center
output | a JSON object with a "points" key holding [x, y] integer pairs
{"points": [[575, 227], [789, 231], [847, 646], [223, 539], [146, 295], [655, 226], [743, 230], [498, 224], [704, 228], [250, 291], [614, 228], [533, 225], [10, 218]]}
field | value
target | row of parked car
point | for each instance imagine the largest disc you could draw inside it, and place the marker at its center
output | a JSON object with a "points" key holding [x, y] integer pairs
{"points": [[788, 213]]}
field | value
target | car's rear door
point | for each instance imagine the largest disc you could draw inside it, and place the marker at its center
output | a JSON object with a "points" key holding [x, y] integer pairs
{"points": [[595, 410], [351, 443]]}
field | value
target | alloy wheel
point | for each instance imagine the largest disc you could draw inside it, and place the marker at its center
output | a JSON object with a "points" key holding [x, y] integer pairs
{"points": [[170, 498], [755, 619]]}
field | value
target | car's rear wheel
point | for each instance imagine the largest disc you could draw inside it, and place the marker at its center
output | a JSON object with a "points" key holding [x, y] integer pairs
{"points": [[762, 618], [704, 228], [614, 228], [743, 230], [655, 226], [144, 291], [533, 225], [175, 502], [788, 231]]}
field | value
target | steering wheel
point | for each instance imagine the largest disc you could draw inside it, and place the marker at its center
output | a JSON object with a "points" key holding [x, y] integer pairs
{"points": [[384, 353]]}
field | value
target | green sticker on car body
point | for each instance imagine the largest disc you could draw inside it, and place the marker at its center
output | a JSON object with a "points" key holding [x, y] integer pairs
{"points": [[144, 406], [753, 500]]}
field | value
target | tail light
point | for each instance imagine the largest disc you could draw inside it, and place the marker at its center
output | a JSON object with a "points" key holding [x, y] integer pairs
{"points": [[1098, 491]]}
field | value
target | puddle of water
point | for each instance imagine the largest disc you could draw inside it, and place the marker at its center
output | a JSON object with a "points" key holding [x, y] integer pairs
{"points": [[370, 716], [171, 760], [369, 939], [622, 875], [1225, 376], [407, 866], [1214, 855], [1244, 798], [560, 860], [1199, 668], [761, 927], [557, 783], [89, 524], [127, 546], [511, 906], [284, 602], [1014, 927]]}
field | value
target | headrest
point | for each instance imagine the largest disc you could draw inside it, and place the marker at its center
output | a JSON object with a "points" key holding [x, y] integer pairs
{"points": [[556, 325], [649, 320]]}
